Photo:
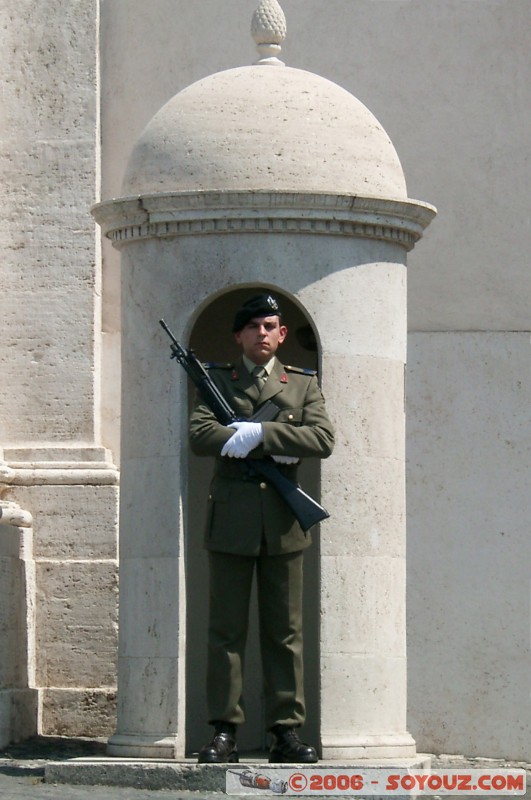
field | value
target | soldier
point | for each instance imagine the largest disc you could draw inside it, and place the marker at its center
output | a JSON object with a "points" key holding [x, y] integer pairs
{"points": [[249, 527]]}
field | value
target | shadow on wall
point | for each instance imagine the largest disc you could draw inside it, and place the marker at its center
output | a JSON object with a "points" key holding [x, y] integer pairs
{"points": [[213, 340]]}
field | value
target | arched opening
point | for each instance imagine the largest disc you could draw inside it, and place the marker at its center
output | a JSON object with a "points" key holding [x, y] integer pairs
{"points": [[212, 340]]}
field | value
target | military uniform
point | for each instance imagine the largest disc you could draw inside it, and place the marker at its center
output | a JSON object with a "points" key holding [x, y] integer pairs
{"points": [[250, 527], [243, 511]]}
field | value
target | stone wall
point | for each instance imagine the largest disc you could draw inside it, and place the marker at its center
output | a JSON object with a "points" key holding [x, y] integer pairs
{"points": [[468, 556], [49, 274]]}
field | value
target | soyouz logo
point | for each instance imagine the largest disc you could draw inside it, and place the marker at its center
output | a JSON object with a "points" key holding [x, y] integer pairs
{"points": [[313, 781]]}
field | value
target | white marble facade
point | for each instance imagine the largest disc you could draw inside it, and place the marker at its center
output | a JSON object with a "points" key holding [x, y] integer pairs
{"points": [[448, 83]]}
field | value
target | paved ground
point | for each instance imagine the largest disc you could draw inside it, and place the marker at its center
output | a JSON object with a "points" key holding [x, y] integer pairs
{"points": [[22, 773]]}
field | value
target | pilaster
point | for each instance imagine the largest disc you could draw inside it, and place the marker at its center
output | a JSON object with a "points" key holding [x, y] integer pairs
{"points": [[68, 495]]}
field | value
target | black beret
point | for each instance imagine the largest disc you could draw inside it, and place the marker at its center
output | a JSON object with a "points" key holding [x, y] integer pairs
{"points": [[261, 305]]}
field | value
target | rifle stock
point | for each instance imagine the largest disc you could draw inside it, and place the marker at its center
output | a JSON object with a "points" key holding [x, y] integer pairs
{"points": [[305, 509]]}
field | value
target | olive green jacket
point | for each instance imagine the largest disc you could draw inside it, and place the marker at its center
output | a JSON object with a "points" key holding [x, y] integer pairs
{"points": [[243, 510]]}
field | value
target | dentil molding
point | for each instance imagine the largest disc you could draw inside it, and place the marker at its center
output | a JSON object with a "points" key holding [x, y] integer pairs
{"points": [[124, 220]]}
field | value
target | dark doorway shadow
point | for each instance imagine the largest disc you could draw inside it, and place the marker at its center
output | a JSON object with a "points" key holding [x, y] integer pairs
{"points": [[212, 340]]}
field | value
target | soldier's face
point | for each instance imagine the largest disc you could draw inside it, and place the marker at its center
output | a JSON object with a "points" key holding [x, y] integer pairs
{"points": [[261, 337]]}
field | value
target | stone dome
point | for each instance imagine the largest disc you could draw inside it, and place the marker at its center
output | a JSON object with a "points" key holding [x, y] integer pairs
{"points": [[265, 128]]}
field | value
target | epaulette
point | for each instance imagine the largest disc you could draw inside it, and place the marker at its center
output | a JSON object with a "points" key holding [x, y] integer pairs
{"points": [[300, 370], [217, 365]]}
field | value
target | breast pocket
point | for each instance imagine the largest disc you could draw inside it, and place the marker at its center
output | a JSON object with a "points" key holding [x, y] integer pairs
{"points": [[242, 407]]}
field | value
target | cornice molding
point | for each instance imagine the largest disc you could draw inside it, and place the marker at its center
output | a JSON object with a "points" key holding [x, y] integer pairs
{"points": [[125, 220]]}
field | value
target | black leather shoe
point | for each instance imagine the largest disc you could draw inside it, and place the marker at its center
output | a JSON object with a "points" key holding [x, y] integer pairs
{"points": [[287, 748], [222, 748]]}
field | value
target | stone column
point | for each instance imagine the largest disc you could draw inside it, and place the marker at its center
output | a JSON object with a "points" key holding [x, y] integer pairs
{"points": [[151, 689], [363, 633]]}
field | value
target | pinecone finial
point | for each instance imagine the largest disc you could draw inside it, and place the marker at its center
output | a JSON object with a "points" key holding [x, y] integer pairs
{"points": [[268, 28]]}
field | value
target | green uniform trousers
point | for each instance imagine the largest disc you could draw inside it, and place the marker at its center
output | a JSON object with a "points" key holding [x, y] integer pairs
{"points": [[279, 585]]}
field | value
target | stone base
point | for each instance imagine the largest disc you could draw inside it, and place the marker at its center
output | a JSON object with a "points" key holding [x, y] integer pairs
{"points": [[187, 775], [78, 712], [59, 604], [18, 715], [377, 746], [131, 746]]}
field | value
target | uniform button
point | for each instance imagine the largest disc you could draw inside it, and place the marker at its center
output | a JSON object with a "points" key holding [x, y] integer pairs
{"points": [[263, 485], [210, 497], [290, 416]]}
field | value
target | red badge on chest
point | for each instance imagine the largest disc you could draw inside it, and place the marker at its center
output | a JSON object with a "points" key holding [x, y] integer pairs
{"points": [[283, 378]]}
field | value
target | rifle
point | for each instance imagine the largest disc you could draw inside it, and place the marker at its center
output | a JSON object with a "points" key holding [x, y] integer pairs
{"points": [[305, 509]]}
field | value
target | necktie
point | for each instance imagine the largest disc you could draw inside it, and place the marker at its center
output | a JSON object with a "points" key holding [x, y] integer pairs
{"points": [[260, 377]]}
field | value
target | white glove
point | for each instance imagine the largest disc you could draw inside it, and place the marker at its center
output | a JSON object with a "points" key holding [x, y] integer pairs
{"points": [[248, 435], [286, 459]]}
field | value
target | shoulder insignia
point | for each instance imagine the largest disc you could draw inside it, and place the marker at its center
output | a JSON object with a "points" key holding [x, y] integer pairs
{"points": [[300, 370], [217, 365]]}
